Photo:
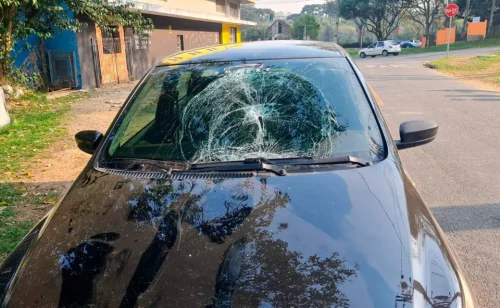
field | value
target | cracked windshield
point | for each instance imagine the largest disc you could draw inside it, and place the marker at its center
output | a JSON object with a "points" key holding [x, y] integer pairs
{"points": [[233, 111]]}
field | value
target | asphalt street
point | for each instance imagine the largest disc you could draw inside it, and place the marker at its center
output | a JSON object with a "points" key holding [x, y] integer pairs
{"points": [[457, 175]]}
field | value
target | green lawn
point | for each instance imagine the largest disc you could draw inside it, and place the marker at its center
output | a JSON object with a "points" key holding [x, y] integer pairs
{"points": [[12, 229], [456, 46], [481, 68], [35, 125]]}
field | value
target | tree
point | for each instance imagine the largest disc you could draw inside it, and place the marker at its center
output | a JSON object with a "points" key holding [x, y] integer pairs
{"points": [[328, 9], [45, 18], [380, 17], [255, 33], [314, 9], [425, 13], [312, 27], [332, 8], [251, 13]]}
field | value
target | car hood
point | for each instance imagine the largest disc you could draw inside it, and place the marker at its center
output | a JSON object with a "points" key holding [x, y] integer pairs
{"points": [[357, 237]]}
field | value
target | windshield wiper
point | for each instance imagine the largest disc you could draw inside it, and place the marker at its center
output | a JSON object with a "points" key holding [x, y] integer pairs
{"points": [[258, 164], [135, 163], [272, 164], [336, 160]]}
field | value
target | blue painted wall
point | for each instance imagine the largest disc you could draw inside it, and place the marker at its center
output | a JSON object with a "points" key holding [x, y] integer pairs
{"points": [[19, 49], [64, 40]]}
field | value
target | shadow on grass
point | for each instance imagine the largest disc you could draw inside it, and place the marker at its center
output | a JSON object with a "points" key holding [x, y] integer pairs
{"points": [[21, 206]]}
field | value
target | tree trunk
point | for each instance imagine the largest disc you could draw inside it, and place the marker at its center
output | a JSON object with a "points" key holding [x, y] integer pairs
{"points": [[6, 42], [427, 34], [360, 38], [45, 76], [492, 15], [466, 18], [464, 27]]}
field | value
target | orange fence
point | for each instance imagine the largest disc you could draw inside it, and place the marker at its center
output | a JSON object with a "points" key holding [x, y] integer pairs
{"points": [[442, 36], [424, 41], [477, 28]]}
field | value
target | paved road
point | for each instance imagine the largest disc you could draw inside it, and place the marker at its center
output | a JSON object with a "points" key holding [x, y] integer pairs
{"points": [[458, 175]]}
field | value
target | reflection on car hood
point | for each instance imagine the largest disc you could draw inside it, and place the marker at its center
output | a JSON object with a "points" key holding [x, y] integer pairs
{"points": [[358, 237]]}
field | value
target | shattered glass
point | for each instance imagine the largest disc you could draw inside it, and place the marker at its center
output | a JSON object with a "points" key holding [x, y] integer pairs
{"points": [[232, 111]]}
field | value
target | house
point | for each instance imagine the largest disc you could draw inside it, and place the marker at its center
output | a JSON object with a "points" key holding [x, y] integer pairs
{"points": [[280, 30], [92, 58]]}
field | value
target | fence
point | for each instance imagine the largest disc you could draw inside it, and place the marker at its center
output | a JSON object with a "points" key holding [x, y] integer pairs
{"points": [[476, 30], [442, 36]]}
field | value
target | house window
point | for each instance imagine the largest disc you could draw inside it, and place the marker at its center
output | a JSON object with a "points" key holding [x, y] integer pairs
{"points": [[180, 42], [280, 28], [111, 41], [233, 9], [232, 35], [220, 6]]}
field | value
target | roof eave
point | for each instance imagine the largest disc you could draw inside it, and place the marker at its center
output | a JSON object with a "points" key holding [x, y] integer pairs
{"points": [[170, 12]]}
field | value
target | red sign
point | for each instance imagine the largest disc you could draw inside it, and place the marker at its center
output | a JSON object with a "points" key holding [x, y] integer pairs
{"points": [[451, 10]]}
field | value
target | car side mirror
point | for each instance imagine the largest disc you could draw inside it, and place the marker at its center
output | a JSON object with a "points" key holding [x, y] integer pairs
{"points": [[416, 133], [88, 140]]}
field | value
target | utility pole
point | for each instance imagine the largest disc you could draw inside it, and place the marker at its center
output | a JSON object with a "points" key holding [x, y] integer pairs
{"points": [[337, 23]]}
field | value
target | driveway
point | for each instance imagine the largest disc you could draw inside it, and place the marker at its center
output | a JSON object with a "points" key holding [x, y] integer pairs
{"points": [[458, 174]]}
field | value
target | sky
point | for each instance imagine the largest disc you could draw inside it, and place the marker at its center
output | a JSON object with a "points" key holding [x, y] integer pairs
{"points": [[285, 6]]}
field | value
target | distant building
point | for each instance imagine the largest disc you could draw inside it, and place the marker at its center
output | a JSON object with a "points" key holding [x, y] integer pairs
{"points": [[280, 30], [91, 58]]}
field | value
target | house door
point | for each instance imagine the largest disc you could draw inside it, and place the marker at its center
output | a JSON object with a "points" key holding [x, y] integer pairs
{"points": [[112, 55], [232, 35]]}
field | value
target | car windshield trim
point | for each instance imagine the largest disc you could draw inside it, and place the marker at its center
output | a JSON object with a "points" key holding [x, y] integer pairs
{"points": [[340, 56]]}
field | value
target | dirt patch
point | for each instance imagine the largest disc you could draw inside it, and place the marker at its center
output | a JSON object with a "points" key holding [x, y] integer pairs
{"points": [[55, 169], [430, 65]]}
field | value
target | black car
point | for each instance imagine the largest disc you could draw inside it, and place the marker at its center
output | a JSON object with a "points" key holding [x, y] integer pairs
{"points": [[245, 175]]}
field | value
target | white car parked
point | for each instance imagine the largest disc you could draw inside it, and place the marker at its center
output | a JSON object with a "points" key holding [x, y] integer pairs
{"points": [[380, 48], [416, 43]]}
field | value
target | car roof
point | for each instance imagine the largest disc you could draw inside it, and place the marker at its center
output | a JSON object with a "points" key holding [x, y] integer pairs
{"points": [[264, 50]]}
